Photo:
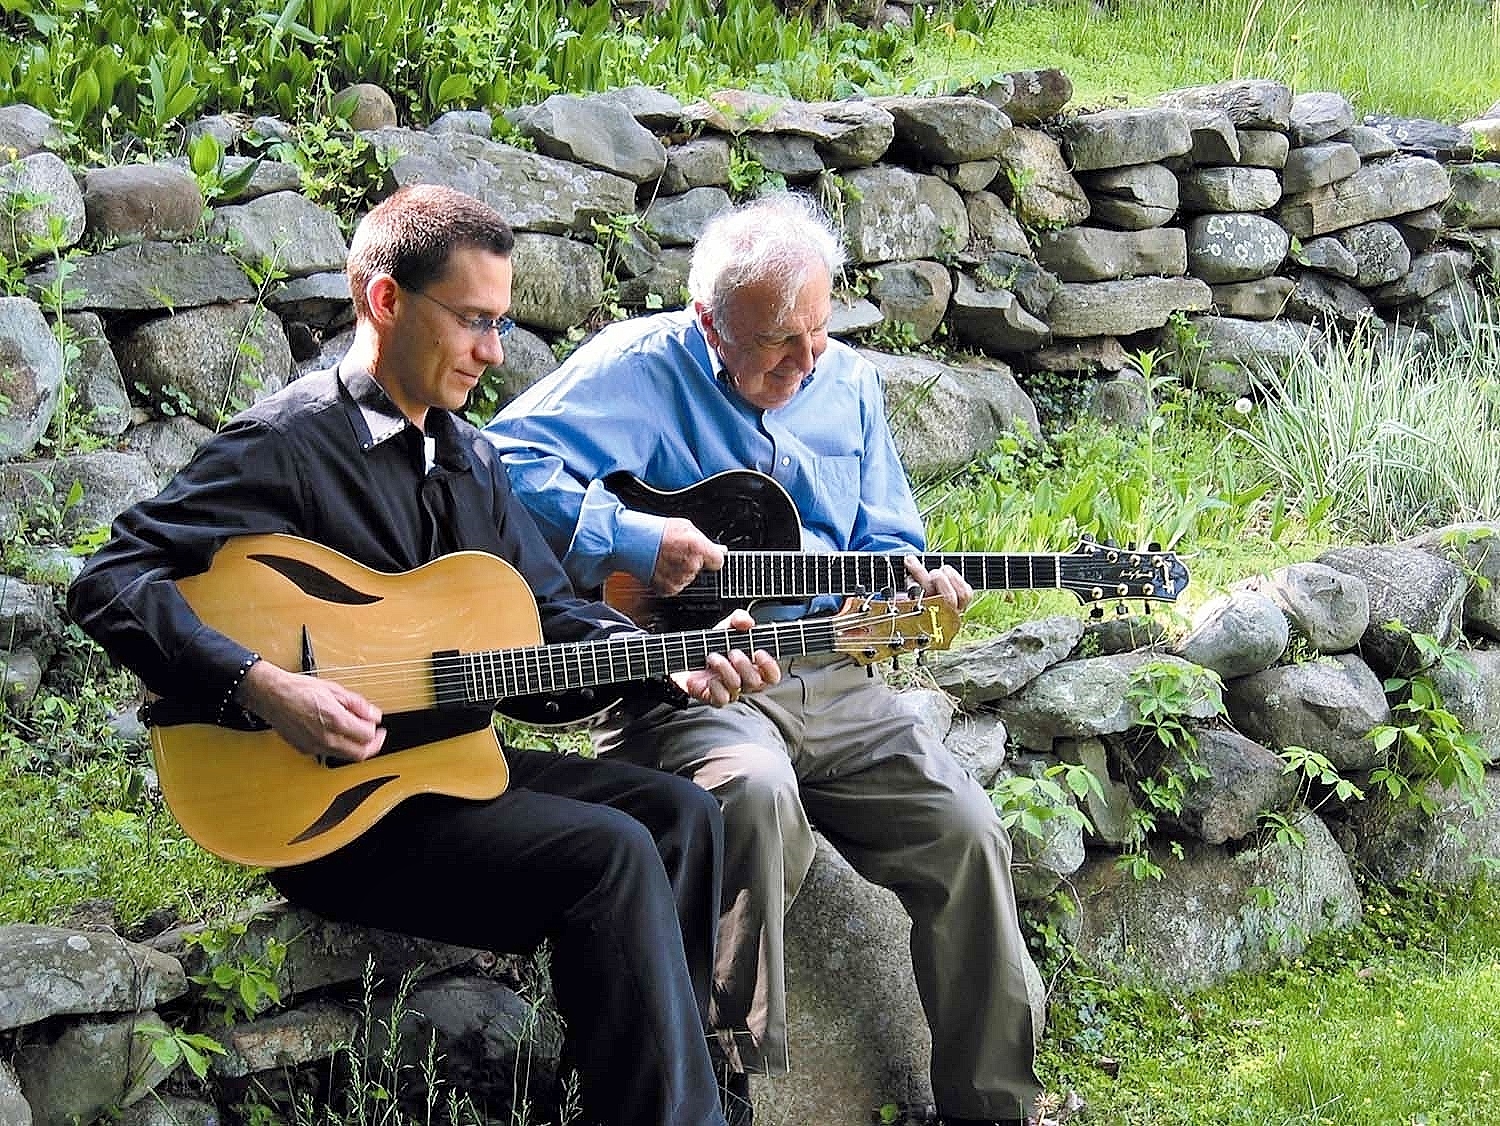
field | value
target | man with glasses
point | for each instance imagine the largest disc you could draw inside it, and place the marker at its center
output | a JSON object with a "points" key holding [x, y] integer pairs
{"points": [[616, 865]]}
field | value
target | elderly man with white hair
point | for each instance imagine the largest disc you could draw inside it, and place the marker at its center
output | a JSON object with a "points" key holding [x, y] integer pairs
{"points": [[748, 379]]}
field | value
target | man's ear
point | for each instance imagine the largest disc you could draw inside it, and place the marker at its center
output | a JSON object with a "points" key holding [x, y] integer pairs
{"points": [[706, 318], [382, 293]]}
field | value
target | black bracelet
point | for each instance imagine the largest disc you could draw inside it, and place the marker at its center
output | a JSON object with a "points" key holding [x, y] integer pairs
{"points": [[239, 677]]}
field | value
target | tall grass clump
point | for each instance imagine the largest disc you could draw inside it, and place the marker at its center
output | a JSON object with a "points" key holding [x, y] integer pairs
{"points": [[1392, 438]]}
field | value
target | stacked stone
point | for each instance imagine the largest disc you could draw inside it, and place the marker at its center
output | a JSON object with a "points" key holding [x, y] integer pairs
{"points": [[81, 1008], [1306, 220], [1055, 692], [1124, 272]]}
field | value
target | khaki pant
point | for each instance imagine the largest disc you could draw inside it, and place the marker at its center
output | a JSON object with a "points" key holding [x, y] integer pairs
{"points": [[832, 748]]}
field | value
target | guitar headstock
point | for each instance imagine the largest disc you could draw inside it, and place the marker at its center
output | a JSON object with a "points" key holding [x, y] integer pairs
{"points": [[871, 630], [1098, 572]]}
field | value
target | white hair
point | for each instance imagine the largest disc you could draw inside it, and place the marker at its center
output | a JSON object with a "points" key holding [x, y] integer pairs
{"points": [[778, 239]]}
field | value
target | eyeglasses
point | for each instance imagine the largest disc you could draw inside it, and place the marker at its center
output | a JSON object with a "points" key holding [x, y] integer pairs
{"points": [[475, 323]]}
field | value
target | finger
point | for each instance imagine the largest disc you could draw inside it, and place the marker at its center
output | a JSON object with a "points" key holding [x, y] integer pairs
{"points": [[356, 750], [766, 665], [963, 592], [748, 672], [726, 675], [357, 705]]}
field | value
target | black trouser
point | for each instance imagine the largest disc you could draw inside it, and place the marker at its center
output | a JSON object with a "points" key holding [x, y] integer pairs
{"points": [[618, 865]]}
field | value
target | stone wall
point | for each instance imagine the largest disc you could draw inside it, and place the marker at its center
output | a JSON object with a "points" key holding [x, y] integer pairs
{"points": [[1297, 658], [1042, 239]]}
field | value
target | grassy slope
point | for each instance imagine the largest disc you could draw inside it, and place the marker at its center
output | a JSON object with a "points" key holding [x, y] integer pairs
{"points": [[1449, 49]]}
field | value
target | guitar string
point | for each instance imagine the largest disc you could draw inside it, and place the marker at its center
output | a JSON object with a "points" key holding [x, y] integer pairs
{"points": [[794, 574]]}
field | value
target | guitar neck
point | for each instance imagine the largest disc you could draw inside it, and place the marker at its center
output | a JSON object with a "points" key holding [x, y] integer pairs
{"points": [[488, 677], [791, 574]]}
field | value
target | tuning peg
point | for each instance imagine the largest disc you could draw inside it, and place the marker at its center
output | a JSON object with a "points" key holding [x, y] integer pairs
{"points": [[1110, 542], [914, 592], [1096, 612], [1153, 546], [1121, 609], [1146, 606]]}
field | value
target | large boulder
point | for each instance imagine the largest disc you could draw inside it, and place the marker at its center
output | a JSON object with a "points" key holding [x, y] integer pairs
{"points": [[50, 971], [1207, 916]]}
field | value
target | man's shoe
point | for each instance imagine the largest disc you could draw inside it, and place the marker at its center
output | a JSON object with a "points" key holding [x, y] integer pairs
{"points": [[734, 1093]]}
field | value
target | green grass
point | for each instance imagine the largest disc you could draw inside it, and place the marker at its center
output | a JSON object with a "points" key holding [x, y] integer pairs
{"points": [[1389, 1023], [1134, 49], [80, 820]]}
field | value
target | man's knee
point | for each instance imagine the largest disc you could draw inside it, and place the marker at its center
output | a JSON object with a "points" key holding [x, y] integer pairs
{"points": [[758, 784], [971, 822], [692, 804]]}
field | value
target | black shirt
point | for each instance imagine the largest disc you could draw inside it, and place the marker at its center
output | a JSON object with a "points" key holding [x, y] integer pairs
{"points": [[329, 459]]}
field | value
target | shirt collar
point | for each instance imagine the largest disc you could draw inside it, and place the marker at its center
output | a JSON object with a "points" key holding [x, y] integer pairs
{"points": [[383, 420]]}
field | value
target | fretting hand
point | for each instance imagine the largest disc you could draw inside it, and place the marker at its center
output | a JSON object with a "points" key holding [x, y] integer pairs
{"points": [[944, 583], [727, 676], [683, 553]]}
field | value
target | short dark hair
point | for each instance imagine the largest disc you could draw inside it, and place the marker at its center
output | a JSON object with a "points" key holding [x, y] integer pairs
{"points": [[412, 233]]}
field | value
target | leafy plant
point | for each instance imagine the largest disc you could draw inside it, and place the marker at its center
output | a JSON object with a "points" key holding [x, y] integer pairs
{"points": [[894, 336], [1427, 745], [206, 161], [1165, 764], [341, 169], [748, 177], [242, 983], [1030, 804], [171, 1045], [1315, 774]]}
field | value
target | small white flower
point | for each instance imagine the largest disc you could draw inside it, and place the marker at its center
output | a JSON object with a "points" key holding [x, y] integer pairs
{"points": [[1242, 405]]}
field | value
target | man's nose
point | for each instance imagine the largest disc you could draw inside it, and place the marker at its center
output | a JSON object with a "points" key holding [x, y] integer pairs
{"points": [[802, 353], [489, 348]]}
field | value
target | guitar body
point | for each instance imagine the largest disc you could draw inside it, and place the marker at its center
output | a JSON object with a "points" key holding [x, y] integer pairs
{"points": [[741, 509], [251, 797]]}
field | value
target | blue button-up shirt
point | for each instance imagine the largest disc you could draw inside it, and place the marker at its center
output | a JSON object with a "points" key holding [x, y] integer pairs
{"points": [[645, 396]]}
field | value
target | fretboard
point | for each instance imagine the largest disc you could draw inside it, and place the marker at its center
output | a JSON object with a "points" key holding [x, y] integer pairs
{"points": [[792, 574], [485, 678]]}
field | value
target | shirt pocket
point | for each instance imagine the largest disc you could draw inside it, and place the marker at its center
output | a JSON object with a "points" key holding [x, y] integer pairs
{"points": [[838, 491]]}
